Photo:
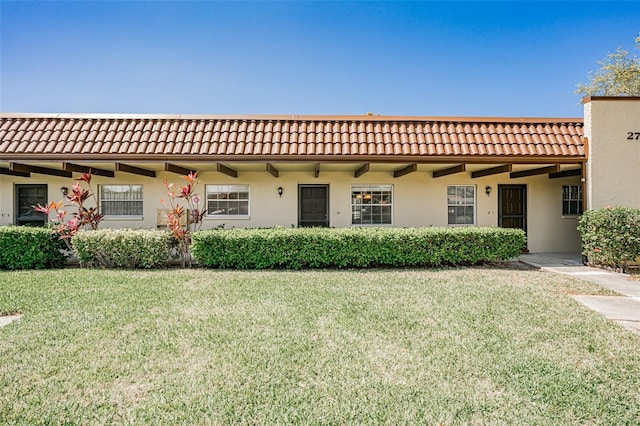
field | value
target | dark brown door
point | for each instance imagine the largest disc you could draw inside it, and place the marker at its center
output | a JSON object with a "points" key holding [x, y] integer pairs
{"points": [[27, 196], [313, 205], [512, 206]]}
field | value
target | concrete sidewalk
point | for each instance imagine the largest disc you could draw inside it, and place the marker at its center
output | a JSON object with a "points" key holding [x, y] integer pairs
{"points": [[8, 319], [625, 310]]}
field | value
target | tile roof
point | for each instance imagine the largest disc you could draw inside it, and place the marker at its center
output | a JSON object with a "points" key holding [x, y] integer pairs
{"points": [[285, 137]]}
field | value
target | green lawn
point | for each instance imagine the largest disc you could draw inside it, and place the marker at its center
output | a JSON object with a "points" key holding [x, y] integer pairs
{"points": [[459, 346]]}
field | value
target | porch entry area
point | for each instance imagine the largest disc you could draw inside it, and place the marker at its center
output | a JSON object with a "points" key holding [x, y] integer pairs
{"points": [[512, 206], [313, 205], [25, 197]]}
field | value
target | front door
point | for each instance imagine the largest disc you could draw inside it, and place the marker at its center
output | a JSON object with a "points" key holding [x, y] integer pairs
{"points": [[313, 205], [512, 206], [27, 196]]}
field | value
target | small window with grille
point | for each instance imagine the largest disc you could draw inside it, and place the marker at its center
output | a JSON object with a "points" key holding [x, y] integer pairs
{"points": [[121, 200], [571, 200], [228, 200], [371, 204], [461, 202]]}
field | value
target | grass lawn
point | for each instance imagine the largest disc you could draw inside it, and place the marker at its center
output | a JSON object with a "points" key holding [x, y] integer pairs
{"points": [[459, 346]]}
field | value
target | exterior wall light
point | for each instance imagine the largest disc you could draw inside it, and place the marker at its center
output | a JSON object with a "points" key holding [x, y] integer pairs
{"points": [[280, 191], [487, 190], [64, 191]]}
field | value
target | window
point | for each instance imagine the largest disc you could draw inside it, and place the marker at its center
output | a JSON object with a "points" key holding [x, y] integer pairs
{"points": [[27, 196], [121, 200], [227, 200], [371, 204], [461, 200], [571, 200]]}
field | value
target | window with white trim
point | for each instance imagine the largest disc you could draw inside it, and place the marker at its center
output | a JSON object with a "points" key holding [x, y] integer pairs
{"points": [[121, 200], [371, 204], [571, 200], [461, 203], [227, 200]]}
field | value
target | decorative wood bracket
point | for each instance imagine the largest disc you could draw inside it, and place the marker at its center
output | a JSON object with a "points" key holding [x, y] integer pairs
{"points": [[362, 170], [70, 167], [450, 171], [5, 171], [168, 167], [534, 172], [272, 170], [565, 173], [405, 170], [18, 167], [492, 171], [134, 170], [221, 168]]}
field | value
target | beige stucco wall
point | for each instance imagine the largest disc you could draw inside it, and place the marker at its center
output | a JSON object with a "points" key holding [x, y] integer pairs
{"points": [[613, 168], [419, 200]]}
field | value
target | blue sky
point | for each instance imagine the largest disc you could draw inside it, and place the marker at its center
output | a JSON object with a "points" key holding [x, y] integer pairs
{"points": [[391, 58]]}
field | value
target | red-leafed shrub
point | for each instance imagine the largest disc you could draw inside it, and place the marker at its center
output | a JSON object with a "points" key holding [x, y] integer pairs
{"points": [[84, 217], [184, 202]]}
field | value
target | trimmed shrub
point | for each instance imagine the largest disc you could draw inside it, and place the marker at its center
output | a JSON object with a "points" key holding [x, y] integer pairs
{"points": [[124, 248], [611, 236], [353, 247], [23, 247]]}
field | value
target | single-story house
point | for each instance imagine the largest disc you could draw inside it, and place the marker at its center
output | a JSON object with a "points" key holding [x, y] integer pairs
{"points": [[537, 174]]}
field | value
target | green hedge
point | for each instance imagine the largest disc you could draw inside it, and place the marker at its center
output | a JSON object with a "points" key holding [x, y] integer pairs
{"points": [[23, 247], [124, 248], [353, 247], [611, 236]]}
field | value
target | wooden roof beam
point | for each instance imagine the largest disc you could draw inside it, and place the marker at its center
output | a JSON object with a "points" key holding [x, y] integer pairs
{"points": [[70, 167], [405, 170], [566, 173], [168, 167], [5, 171], [272, 170], [221, 168], [492, 171], [18, 167], [362, 170], [533, 172], [134, 170], [450, 171]]}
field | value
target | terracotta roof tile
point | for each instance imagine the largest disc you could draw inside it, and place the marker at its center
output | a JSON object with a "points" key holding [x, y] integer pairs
{"points": [[29, 135]]}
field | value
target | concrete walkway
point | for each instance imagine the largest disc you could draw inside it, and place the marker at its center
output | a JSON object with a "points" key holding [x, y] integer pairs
{"points": [[625, 310], [8, 319]]}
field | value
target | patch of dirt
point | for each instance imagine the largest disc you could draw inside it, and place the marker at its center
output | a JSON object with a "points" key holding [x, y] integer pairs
{"points": [[512, 265]]}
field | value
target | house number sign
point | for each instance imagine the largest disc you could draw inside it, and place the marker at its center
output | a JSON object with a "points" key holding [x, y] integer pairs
{"points": [[633, 136]]}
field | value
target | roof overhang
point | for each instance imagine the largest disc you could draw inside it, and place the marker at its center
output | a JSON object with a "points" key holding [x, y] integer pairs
{"points": [[485, 159]]}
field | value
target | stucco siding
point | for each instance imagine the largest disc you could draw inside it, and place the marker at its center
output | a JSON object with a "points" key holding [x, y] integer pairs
{"points": [[418, 200], [613, 168]]}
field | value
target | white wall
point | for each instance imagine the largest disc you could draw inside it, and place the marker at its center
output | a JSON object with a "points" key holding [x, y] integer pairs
{"points": [[419, 200], [613, 169]]}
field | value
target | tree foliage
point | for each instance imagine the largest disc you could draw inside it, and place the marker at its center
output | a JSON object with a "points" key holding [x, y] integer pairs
{"points": [[619, 75]]}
